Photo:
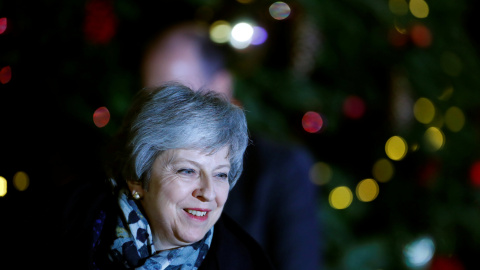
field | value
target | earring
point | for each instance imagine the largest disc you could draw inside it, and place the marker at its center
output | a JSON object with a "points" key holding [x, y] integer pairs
{"points": [[136, 195]]}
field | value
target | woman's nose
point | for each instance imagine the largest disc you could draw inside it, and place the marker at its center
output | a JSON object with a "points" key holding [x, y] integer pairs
{"points": [[205, 190]]}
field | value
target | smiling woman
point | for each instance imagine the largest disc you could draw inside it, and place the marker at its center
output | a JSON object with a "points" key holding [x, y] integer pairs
{"points": [[175, 160]]}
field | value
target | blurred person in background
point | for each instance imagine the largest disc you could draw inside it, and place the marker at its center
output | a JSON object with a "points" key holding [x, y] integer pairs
{"points": [[274, 200]]}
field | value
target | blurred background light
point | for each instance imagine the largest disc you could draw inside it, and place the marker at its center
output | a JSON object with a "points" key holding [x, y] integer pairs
{"points": [[421, 35], [5, 74], [383, 170], [241, 35], [475, 173], [101, 117], [21, 181], [396, 148], [3, 186], [451, 64], [434, 138], [424, 110], [3, 25], [220, 31], [259, 35], [419, 8], [454, 119], [419, 253], [320, 173], [312, 122], [244, 1], [367, 190], [340, 197], [446, 94], [398, 7], [353, 107], [279, 10]]}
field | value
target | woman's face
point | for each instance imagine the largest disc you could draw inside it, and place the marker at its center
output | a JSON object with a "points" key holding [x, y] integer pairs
{"points": [[186, 195]]}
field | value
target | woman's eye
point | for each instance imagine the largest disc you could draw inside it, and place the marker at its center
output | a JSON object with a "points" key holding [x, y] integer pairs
{"points": [[186, 171], [222, 175]]}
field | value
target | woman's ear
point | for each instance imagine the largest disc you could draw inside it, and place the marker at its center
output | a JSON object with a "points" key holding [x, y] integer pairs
{"points": [[136, 188]]}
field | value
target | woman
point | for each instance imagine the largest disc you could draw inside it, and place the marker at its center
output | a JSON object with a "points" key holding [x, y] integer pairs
{"points": [[180, 153]]}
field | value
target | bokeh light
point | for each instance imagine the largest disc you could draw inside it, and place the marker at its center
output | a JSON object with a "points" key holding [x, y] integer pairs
{"points": [[424, 110], [340, 197], [5, 74], [419, 253], [454, 119], [396, 148], [244, 1], [446, 94], [259, 35], [312, 122], [279, 10], [383, 170], [101, 117], [398, 7], [451, 64], [421, 36], [3, 186], [21, 181], [419, 8], [367, 190], [353, 107], [320, 173], [475, 173], [434, 138], [241, 35], [220, 31], [3, 25]]}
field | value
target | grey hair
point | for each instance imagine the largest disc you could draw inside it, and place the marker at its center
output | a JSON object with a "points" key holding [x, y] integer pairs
{"points": [[173, 116]]}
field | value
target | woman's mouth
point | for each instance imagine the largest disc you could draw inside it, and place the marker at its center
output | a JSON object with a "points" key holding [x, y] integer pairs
{"points": [[199, 214]]}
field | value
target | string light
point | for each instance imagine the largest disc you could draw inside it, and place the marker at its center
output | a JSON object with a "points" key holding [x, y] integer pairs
{"points": [[220, 31], [320, 173], [241, 35], [424, 110], [454, 119], [434, 138], [396, 148], [419, 253], [5, 74], [340, 197], [3, 25], [367, 190], [21, 181], [279, 10], [312, 122], [3, 186], [419, 8], [101, 117], [383, 170]]}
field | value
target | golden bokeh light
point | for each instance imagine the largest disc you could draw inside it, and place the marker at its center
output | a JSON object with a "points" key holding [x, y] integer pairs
{"points": [[398, 7], [434, 138], [367, 190], [446, 94], [383, 170], [424, 110], [396, 148], [21, 181], [340, 197], [454, 119], [220, 31], [419, 8], [320, 173], [3, 186]]}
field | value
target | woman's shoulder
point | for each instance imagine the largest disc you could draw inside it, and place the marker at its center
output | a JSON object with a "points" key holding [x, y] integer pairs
{"points": [[233, 248]]}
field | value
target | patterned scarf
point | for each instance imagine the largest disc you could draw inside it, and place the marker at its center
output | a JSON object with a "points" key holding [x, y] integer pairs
{"points": [[133, 245]]}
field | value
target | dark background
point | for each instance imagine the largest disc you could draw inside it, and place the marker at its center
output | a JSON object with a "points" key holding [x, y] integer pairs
{"points": [[70, 57]]}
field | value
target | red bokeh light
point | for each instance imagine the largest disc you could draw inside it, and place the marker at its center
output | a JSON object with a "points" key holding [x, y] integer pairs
{"points": [[421, 36], [100, 21], [101, 116], [397, 39], [475, 174], [312, 122], [3, 25], [354, 107], [5, 74], [446, 263]]}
